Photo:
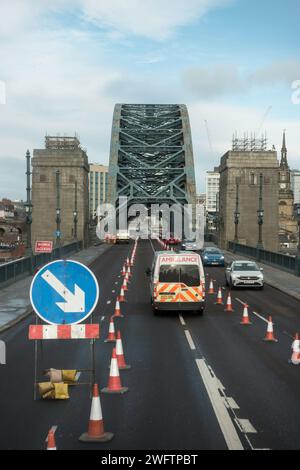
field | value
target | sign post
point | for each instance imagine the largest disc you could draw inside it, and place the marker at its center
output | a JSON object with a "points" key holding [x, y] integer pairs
{"points": [[63, 294]]}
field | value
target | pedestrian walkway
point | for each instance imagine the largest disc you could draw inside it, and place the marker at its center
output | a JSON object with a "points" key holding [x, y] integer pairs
{"points": [[275, 277], [14, 299]]}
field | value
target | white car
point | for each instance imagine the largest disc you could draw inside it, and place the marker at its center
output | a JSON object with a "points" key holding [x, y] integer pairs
{"points": [[244, 274]]}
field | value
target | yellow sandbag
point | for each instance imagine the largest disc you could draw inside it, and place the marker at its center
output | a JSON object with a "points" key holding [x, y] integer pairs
{"points": [[49, 395], [45, 387], [69, 375], [55, 375], [61, 391]]}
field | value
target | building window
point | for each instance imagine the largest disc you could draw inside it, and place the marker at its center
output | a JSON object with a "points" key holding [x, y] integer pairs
{"points": [[43, 179], [253, 179]]}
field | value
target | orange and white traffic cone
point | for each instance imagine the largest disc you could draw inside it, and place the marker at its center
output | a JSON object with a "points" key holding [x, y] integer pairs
{"points": [[121, 297], [114, 381], [51, 445], [117, 313], [120, 353], [219, 298], [127, 262], [211, 288], [129, 272], [124, 285], [127, 278], [229, 304], [124, 270], [245, 321], [111, 332], [96, 431], [270, 332], [295, 359]]}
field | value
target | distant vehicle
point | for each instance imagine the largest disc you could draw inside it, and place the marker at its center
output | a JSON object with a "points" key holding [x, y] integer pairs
{"points": [[172, 239], [123, 236], [190, 245], [212, 256], [175, 282], [244, 274]]}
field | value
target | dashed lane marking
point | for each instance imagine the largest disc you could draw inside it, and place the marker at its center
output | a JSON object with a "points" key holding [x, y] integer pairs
{"points": [[227, 427], [245, 426], [108, 302], [182, 320], [232, 403], [190, 340]]}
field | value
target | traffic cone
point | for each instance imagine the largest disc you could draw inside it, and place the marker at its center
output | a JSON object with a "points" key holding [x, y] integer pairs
{"points": [[229, 308], [117, 313], [127, 278], [124, 270], [129, 272], [211, 287], [121, 297], [219, 298], [127, 262], [124, 285], [96, 427], [246, 321], [120, 353], [51, 445], [111, 332], [114, 381], [270, 332], [295, 359]]}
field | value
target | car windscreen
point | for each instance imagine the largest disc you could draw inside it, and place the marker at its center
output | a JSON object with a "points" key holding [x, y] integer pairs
{"points": [[186, 274], [212, 252], [245, 267]]}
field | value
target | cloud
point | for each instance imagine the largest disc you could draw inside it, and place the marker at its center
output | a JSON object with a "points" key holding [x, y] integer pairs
{"points": [[214, 81], [155, 19], [227, 79]]}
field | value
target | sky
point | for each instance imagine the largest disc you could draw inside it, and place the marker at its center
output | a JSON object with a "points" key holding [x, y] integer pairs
{"points": [[65, 63]]}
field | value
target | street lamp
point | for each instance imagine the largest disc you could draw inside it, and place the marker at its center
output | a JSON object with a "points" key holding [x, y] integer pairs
{"points": [[260, 214], [75, 213], [28, 204], [237, 214], [58, 218], [298, 250]]}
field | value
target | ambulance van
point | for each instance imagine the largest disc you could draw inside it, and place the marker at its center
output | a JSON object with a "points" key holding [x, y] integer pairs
{"points": [[177, 282]]}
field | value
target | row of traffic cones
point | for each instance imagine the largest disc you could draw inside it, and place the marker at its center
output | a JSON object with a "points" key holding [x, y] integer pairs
{"points": [[96, 431]]}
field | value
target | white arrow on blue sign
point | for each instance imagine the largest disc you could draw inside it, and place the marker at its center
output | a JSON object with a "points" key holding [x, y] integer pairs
{"points": [[64, 292]]}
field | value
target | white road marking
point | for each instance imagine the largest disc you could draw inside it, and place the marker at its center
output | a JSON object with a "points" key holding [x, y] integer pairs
{"points": [[116, 283], [190, 340], [245, 426], [227, 427], [102, 318], [108, 302], [182, 320], [113, 291], [232, 403]]}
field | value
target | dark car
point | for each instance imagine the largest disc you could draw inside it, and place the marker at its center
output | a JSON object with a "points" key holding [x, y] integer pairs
{"points": [[213, 257]]}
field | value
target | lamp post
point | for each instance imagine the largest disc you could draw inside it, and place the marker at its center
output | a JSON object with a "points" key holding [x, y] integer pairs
{"points": [[75, 213], [297, 267], [237, 214], [28, 204], [58, 218], [260, 214]]}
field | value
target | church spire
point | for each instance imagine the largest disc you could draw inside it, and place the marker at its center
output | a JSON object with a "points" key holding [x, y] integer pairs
{"points": [[284, 162]]}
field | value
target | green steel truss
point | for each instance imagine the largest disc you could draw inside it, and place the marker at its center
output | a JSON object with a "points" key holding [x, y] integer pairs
{"points": [[151, 157]]}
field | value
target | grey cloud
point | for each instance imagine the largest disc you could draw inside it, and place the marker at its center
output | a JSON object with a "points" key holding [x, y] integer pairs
{"points": [[220, 80]]}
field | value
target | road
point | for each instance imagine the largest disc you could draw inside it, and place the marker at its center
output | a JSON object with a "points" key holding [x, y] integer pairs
{"points": [[195, 382]]}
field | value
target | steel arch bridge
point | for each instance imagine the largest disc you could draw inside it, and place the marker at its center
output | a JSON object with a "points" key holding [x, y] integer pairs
{"points": [[151, 155]]}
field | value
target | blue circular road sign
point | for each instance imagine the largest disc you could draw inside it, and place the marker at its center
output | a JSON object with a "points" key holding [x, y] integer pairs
{"points": [[64, 292]]}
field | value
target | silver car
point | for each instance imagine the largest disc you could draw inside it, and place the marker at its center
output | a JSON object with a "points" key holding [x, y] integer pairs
{"points": [[244, 274]]}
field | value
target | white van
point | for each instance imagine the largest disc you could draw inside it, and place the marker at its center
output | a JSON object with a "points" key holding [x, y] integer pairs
{"points": [[177, 282]]}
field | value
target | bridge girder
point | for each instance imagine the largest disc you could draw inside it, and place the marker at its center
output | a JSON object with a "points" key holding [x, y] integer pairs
{"points": [[151, 155]]}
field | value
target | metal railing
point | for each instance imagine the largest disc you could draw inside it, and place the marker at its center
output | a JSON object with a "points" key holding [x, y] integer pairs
{"points": [[278, 260], [15, 270]]}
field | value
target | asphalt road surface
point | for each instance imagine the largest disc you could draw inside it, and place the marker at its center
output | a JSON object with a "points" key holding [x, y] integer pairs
{"points": [[195, 382]]}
